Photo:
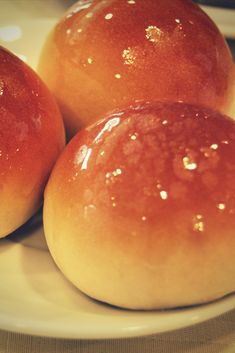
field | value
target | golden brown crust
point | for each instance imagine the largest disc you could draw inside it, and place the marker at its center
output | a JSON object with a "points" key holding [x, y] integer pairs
{"points": [[110, 54], [139, 209], [31, 138]]}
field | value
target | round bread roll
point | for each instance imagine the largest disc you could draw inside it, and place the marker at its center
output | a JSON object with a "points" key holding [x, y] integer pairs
{"points": [[31, 138], [139, 209], [108, 54]]}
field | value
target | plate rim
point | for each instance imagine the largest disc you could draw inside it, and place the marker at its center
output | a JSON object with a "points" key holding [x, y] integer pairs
{"points": [[133, 323]]}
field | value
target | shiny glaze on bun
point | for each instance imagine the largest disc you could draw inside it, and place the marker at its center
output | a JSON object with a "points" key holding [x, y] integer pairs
{"points": [[139, 209], [31, 138], [107, 54]]}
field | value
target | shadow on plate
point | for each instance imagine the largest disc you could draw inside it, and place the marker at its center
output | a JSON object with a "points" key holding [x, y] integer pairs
{"points": [[31, 234]]}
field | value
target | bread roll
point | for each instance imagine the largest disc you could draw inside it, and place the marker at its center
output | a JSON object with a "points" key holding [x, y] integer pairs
{"points": [[31, 138], [108, 54], [139, 209]]}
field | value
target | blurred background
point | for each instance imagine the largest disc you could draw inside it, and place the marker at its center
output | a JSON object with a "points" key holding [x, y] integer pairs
{"points": [[219, 3], [223, 14], [18, 17]]}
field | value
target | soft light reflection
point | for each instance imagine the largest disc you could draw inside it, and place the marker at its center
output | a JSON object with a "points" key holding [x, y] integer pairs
{"points": [[163, 195], [221, 206], [153, 34], [132, 2], [144, 218], [21, 57], [109, 16], [214, 146], [206, 151], [89, 15], [78, 7], [117, 172], [189, 164], [88, 209], [86, 159], [83, 156], [111, 175], [159, 186], [108, 127], [113, 203], [198, 223], [179, 24], [80, 155], [114, 173], [1, 88], [118, 76], [10, 33], [134, 136]]}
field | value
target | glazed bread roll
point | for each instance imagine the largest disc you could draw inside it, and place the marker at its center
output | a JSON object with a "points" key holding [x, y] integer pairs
{"points": [[31, 138], [108, 54], [139, 209]]}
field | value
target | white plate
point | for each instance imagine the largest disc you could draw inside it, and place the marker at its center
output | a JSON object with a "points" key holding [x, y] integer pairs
{"points": [[224, 18], [34, 296]]}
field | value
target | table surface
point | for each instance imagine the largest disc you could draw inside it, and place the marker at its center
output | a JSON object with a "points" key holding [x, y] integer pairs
{"points": [[214, 336]]}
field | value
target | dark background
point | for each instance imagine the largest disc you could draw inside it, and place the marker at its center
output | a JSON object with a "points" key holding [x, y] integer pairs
{"points": [[220, 3]]}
